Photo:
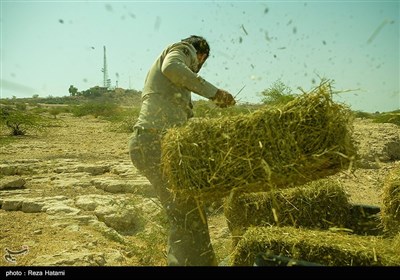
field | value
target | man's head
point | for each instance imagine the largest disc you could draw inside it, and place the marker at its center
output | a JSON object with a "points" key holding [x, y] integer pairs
{"points": [[202, 48]]}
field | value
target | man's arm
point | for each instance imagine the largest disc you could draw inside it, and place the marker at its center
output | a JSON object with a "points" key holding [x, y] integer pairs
{"points": [[175, 68]]}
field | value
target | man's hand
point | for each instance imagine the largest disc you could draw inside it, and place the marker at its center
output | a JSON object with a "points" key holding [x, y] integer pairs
{"points": [[223, 99]]}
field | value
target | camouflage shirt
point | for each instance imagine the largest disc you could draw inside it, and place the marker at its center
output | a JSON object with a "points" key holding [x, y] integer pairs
{"points": [[166, 97]]}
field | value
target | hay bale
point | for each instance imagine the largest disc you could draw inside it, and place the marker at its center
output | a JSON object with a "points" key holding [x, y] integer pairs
{"points": [[322, 247], [365, 219], [396, 242], [390, 215], [278, 146], [320, 204]]}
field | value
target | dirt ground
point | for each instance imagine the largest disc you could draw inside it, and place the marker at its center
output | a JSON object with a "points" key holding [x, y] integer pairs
{"points": [[88, 140]]}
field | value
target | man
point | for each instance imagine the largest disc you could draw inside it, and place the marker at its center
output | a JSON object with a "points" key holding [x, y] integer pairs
{"points": [[166, 103]]}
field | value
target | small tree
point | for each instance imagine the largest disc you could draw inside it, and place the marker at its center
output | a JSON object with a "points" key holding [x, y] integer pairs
{"points": [[278, 93], [72, 90], [19, 122]]}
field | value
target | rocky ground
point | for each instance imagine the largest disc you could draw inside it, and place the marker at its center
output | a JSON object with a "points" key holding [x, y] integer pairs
{"points": [[72, 197]]}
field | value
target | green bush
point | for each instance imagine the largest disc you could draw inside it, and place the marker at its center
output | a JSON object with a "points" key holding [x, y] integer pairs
{"points": [[95, 109], [278, 93], [124, 120], [54, 111], [20, 106], [390, 117], [363, 115], [20, 122]]}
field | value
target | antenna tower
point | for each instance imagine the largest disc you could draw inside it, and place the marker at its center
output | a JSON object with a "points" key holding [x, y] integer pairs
{"points": [[106, 81]]}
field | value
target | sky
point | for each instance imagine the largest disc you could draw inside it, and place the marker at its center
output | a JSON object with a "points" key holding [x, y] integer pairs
{"points": [[46, 46]]}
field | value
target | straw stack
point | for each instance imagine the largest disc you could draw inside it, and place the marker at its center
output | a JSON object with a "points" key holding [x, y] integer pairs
{"points": [[320, 204], [273, 147], [390, 213], [322, 247]]}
